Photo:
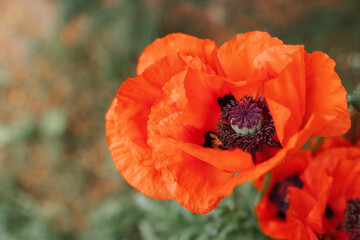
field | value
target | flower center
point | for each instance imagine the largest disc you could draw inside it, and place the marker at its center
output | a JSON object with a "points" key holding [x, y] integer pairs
{"points": [[246, 124], [352, 219], [245, 118], [278, 194]]}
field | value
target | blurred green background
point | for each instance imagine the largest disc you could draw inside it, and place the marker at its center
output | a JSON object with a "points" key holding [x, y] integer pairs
{"points": [[61, 63]]}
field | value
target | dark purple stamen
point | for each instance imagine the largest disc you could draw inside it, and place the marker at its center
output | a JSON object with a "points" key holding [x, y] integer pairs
{"points": [[278, 194], [246, 124], [225, 100], [352, 219]]}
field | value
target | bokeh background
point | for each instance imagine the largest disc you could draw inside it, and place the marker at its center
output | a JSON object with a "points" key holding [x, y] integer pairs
{"points": [[61, 63]]}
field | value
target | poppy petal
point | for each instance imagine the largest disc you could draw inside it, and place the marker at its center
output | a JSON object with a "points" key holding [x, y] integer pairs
{"points": [[135, 98], [164, 116], [287, 85], [309, 235], [293, 166], [185, 174], [237, 55], [127, 117], [300, 203], [197, 185], [324, 85], [203, 90], [317, 213], [280, 115], [205, 49], [272, 225], [228, 161], [146, 179]]}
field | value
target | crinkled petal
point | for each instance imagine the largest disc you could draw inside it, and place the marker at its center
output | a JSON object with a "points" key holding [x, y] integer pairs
{"points": [[316, 215], [281, 116], [228, 161], [203, 90], [300, 203], [271, 224], [135, 98], [198, 185], [286, 86], [237, 55], [267, 212], [325, 95], [174, 43], [194, 180], [146, 179]]}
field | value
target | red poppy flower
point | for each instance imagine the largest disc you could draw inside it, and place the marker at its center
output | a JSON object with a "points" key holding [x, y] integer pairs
{"points": [[272, 211], [198, 120], [325, 201]]}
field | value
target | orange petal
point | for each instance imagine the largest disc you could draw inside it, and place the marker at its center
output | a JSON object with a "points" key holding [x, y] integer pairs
{"points": [[195, 184], [325, 95], [237, 55], [184, 164], [281, 116], [271, 224], [339, 164], [354, 190], [146, 179], [135, 98], [316, 177], [205, 49], [228, 161], [287, 86], [198, 185], [310, 234], [202, 92], [126, 126], [300, 203], [294, 165], [164, 118], [316, 215]]}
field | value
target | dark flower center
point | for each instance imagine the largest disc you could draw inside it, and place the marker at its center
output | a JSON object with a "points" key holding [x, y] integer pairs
{"points": [[352, 219], [278, 194], [246, 124]]}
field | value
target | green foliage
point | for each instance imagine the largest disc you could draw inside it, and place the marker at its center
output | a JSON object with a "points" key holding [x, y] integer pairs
{"points": [[114, 36], [135, 216], [20, 217], [354, 98], [71, 8]]}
